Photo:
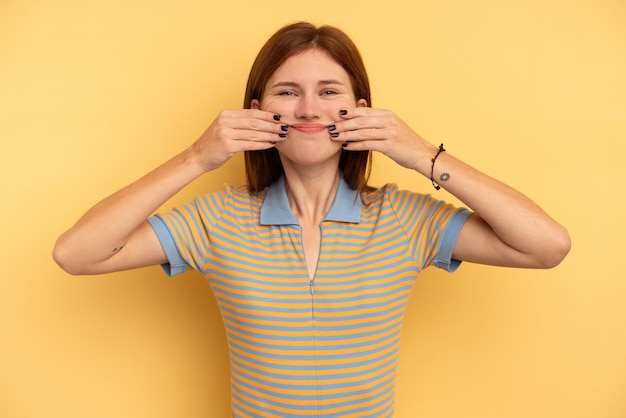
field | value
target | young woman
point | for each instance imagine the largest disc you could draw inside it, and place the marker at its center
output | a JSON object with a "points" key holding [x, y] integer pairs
{"points": [[311, 267]]}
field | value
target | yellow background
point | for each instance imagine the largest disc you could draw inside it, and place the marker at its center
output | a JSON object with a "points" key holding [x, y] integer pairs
{"points": [[94, 94]]}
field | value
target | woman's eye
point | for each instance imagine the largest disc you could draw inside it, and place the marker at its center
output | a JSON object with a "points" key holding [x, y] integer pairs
{"points": [[286, 93], [329, 92]]}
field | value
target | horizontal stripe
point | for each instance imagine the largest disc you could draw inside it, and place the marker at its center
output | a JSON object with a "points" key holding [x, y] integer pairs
{"points": [[278, 371]]}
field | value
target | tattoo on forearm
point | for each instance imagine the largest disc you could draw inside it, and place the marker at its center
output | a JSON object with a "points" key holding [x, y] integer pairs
{"points": [[444, 177], [117, 249]]}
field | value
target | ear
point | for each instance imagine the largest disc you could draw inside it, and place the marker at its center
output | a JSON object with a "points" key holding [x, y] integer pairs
{"points": [[361, 103], [255, 104]]}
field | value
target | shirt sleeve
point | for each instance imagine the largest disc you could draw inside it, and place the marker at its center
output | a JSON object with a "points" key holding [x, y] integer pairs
{"points": [[443, 258], [432, 226], [184, 232], [176, 264]]}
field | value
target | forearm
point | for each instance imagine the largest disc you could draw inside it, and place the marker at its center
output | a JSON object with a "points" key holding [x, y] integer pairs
{"points": [[105, 229], [531, 238]]}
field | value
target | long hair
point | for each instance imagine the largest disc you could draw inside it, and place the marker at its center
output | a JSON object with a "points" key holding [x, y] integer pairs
{"points": [[264, 167]]}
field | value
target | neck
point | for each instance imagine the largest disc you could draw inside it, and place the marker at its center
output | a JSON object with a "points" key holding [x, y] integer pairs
{"points": [[311, 194]]}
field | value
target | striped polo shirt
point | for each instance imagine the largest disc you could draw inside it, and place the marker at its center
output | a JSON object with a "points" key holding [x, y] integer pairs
{"points": [[326, 347]]}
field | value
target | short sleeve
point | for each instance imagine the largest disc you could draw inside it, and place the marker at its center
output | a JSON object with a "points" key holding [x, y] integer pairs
{"points": [[432, 226], [443, 257], [184, 231], [176, 264]]}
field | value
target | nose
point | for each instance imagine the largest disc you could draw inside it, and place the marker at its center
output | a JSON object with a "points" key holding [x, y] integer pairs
{"points": [[307, 107]]}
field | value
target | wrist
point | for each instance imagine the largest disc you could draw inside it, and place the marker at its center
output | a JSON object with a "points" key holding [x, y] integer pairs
{"points": [[443, 177], [189, 165], [423, 163], [195, 159]]}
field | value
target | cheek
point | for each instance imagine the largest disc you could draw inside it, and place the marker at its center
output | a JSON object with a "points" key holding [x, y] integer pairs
{"points": [[280, 107], [334, 106]]}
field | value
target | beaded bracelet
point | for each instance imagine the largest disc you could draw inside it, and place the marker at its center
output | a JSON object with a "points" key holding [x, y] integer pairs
{"points": [[432, 168]]}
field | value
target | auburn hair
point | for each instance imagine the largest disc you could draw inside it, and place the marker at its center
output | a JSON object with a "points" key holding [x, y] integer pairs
{"points": [[264, 167]]}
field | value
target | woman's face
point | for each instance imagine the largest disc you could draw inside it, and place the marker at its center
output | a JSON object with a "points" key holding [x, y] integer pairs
{"points": [[308, 91]]}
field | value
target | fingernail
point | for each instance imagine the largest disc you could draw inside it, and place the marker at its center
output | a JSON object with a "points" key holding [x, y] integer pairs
{"points": [[282, 135], [284, 128], [273, 142], [345, 144], [343, 112], [332, 128], [334, 135], [276, 118]]}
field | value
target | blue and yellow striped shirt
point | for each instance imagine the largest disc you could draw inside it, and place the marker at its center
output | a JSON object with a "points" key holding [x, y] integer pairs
{"points": [[300, 348]]}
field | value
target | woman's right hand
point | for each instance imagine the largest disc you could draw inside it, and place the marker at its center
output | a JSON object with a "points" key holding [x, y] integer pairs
{"points": [[233, 131]]}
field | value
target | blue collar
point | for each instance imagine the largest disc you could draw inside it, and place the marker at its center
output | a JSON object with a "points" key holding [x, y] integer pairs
{"points": [[276, 210]]}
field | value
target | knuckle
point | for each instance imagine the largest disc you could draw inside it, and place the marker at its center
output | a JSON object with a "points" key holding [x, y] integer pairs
{"points": [[222, 131], [360, 122], [254, 124]]}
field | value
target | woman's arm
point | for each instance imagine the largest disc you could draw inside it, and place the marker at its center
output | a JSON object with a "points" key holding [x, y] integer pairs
{"points": [[508, 229], [114, 235]]}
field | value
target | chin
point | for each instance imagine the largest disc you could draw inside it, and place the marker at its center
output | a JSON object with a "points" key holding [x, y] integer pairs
{"points": [[310, 153]]}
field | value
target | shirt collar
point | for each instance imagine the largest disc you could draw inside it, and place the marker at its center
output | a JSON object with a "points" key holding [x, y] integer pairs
{"points": [[276, 211]]}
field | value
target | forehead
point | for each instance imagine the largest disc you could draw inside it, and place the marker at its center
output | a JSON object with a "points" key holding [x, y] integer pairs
{"points": [[312, 64]]}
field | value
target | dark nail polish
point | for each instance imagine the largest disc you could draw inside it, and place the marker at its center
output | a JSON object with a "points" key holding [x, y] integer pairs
{"points": [[284, 128], [276, 118], [282, 135], [345, 144], [334, 135], [343, 112], [273, 142], [332, 128]]}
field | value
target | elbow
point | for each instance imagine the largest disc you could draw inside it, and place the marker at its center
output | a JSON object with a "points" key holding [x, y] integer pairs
{"points": [[557, 248], [61, 257], [66, 258]]}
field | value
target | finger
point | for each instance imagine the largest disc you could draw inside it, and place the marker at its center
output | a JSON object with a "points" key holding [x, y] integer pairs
{"points": [[362, 146], [256, 125], [251, 119], [363, 134], [251, 114], [355, 112], [246, 129], [256, 135], [364, 120], [250, 142], [258, 146]]}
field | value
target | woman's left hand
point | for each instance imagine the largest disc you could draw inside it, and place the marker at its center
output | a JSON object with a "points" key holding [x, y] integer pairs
{"points": [[508, 229], [365, 128]]}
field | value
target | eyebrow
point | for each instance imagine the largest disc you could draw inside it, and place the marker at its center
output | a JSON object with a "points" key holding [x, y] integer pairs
{"points": [[319, 83]]}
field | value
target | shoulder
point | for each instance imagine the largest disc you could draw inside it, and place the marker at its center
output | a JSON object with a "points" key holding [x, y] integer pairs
{"points": [[229, 192], [239, 200], [390, 193], [373, 195], [407, 204], [228, 199]]}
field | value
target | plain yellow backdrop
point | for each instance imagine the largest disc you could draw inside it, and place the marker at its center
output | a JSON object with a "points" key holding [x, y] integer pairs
{"points": [[93, 94]]}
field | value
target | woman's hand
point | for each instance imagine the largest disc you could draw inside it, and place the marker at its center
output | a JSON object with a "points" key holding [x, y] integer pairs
{"points": [[234, 131], [365, 128]]}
